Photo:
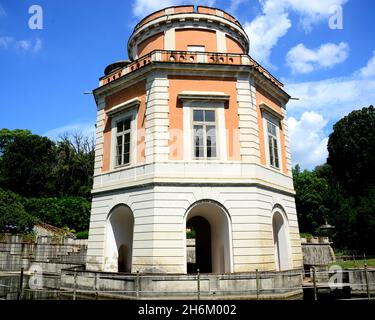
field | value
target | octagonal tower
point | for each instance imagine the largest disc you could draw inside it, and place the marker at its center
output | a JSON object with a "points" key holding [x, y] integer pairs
{"points": [[191, 135]]}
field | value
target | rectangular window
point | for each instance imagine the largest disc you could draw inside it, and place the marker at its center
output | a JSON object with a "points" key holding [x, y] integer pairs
{"points": [[273, 145], [123, 142], [196, 48], [204, 134]]}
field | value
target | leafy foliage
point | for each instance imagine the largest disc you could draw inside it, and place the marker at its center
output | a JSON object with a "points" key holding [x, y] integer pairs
{"points": [[351, 148], [343, 190], [82, 235], [27, 165], [190, 233], [45, 180], [71, 212], [34, 166], [310, 199], [13, 216], [74, 165], [7, 136]]}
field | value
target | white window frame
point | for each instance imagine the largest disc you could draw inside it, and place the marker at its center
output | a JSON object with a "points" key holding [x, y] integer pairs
{"points": [[188, 132], [267, 117], [212, 100], [132, 115], [204, 124], [123, 134]]}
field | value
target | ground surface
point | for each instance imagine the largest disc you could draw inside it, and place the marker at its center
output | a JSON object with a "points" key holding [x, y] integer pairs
{"points": [[355, 263]]}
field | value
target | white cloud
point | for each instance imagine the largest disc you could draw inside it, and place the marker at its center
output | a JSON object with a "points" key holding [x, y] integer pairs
{"points": [[142, 8], [369, 69], [7, 42], [264, 32], [2, 11], [37, 46], [303, 60], [308, 140], [266, 29], [310, 12], [85, 128], [23, 44], [234, 4], [333, 97], [321, 104]]}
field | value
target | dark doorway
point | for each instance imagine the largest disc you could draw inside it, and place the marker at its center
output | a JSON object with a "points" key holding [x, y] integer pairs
{"points": [[122, 259], [203, 258]]}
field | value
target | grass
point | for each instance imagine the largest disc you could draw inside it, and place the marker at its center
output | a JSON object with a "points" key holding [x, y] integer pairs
{"points": [[355, 263]]}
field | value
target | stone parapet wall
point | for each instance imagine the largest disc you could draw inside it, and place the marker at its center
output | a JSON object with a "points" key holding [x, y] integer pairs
{"points": [[317, 254], [267, 285], [50, 256]]}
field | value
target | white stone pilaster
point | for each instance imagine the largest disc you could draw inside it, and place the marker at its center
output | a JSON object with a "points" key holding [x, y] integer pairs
{"points": [[99, 138], [221, 41], [157, 118], [284, 125], [169, 39], [248, 119]]}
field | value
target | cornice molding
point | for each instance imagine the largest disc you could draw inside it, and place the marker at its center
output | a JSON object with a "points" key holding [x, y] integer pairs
{"points": [[203, 95], [127, 105], [271, 111]]}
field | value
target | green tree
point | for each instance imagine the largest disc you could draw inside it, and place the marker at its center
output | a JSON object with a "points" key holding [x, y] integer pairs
{"points": [[351, 148], [75, 165], [365, 221], [7, 136], [13, 217], [27, 165], [310, 199], [71, 212]]}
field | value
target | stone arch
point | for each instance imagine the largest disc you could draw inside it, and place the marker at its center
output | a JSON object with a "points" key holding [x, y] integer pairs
{"points": [[214, 236], [280, 235], [119, 239]]}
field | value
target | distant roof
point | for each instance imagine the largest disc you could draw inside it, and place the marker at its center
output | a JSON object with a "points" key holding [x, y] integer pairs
{"points": [[50, 228]]}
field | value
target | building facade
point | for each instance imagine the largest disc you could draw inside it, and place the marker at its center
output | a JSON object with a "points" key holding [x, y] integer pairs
{"points": [[191, 134]]}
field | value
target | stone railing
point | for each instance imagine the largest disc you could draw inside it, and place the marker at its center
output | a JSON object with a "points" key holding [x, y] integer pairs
{"points": [[189, 57]]}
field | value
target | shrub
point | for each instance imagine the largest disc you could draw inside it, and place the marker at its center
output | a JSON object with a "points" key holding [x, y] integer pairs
{"points": [[71, 212], [190, 233], [82, 235], [13, 216], [308, 236], [30, 237]]}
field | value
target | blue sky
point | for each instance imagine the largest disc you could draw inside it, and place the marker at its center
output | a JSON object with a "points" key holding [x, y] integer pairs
{"points": [[45, 72]]}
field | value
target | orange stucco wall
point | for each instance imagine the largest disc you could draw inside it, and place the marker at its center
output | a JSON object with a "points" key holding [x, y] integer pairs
{"points": [[183, 9], [264, 97], [201, 83], [137, 90], [197, 37], [233, 46], [152, 16], [156, 42], [208, 10], [160, 13]]}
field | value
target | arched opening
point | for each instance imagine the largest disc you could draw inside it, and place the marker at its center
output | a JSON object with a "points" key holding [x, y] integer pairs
{"points": [[119, 240], [202, 231], [280, 241], [212, 235]]}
